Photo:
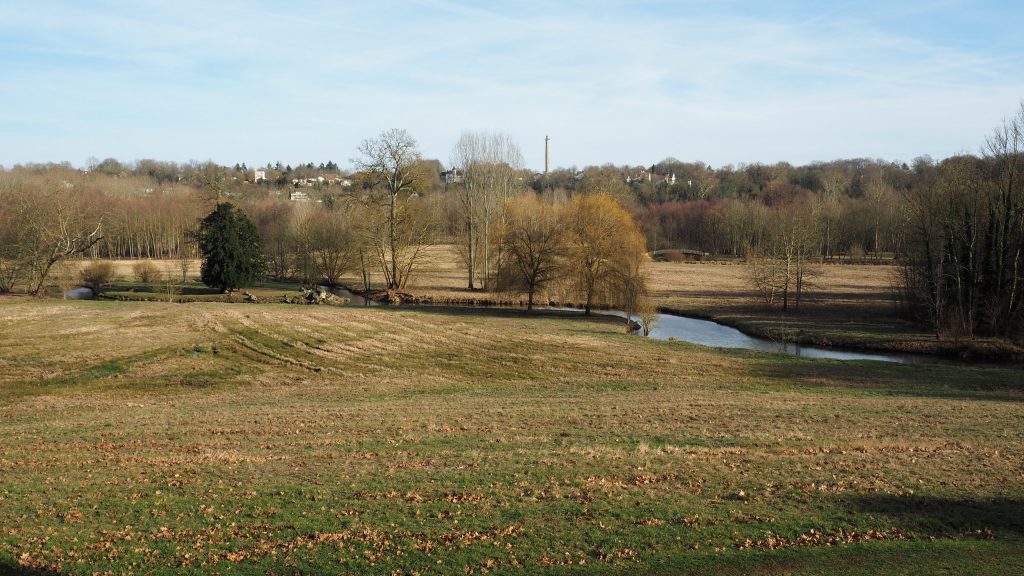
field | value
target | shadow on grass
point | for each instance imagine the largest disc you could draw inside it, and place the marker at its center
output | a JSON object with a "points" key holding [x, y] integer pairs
{"points": [[947, 517], [502, 312], [957, 382], [159, 289], [11, 567]]}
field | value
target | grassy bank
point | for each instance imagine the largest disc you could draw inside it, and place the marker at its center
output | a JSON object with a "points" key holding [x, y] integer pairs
{"points": [[200, 438], [848, 306]]}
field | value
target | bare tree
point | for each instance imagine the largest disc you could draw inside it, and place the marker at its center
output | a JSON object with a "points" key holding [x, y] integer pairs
{"points": [[50, 224], [965, 250], [533, 238], [784, 262], [331, 245], [834, 184], [392, 167], [490, 163]]}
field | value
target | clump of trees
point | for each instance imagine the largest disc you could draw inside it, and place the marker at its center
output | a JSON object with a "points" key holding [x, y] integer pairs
{"points": [[963, 270], [954, 227], [491, 167], [590, 245], [43, 222], [786, 259]]}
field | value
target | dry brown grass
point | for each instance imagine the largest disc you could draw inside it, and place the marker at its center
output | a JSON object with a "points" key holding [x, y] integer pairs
{"points": [[845, 305], [159, 437]]}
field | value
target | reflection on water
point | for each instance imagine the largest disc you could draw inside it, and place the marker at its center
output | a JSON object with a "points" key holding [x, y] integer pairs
{"points": [[353, 299], [79, 293], [709, 333]]}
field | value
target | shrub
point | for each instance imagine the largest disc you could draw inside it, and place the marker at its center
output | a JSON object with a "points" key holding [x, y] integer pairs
{"points": [[97, 275], [146, 272]]}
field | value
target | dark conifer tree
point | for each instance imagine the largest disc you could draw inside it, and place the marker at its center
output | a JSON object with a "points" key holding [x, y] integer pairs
{"points": [[230, 246]]}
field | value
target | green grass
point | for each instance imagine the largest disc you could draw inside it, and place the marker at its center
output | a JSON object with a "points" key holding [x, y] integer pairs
{"points": [[198, 438]]}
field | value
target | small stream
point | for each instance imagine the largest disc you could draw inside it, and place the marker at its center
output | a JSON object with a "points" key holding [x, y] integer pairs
{"points": [[80, 293], [353, 299], [682, 328], [713, 334], [708, 333]]}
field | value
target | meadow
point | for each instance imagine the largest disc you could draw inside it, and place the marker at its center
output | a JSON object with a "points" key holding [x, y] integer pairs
{"points": [[850, 306], [159, 438]]}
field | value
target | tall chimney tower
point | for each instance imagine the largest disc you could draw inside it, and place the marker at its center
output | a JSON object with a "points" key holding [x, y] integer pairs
{"points": [[547, 155]]}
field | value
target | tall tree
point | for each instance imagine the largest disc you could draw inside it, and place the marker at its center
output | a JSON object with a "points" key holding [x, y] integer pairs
{"points": [[392, 168], [533, 239], [602, 244], [491, 163], [230, 246]]}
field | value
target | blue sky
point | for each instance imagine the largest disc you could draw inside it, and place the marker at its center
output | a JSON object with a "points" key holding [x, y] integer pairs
{"points": [[622, 82]]}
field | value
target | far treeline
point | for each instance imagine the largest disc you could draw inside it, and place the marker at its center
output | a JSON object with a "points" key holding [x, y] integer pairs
{"points": [[954, 228]]}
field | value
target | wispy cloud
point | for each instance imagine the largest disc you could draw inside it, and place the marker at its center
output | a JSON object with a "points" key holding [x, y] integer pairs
{"points": [[624, 82]]}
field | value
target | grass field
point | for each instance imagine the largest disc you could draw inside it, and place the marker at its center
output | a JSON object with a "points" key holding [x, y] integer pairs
{"points": [[230, 438]]}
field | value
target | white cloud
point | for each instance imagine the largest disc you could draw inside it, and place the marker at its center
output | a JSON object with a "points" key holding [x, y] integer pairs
{"points": [[610, 81]]}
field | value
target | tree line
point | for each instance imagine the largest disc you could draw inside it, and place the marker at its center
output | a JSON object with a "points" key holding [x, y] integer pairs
{"points": [[953, 226], [508, 237]]}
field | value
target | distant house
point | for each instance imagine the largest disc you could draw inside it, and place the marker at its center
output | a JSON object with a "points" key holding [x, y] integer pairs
{"points": [[258, 175], [453, 176], [643, 174], [640, 175], [669, 179]]}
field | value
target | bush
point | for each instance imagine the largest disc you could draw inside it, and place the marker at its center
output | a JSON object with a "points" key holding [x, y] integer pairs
{"points": [[146, 272], [96, 275]]}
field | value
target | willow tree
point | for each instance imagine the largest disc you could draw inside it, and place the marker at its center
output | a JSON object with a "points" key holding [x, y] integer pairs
{"points": [[603, 246], [491, 163]]}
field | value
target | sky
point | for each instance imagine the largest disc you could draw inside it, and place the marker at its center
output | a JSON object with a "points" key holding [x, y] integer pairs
{"points": [[724, 82]]}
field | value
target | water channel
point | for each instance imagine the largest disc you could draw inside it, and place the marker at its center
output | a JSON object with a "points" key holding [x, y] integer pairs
{"points": [[687, 329], [709, 333]]}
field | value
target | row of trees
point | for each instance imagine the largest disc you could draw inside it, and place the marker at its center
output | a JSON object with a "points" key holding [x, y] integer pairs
{"points": [[963, 270], [954, 226], [508, 237]]}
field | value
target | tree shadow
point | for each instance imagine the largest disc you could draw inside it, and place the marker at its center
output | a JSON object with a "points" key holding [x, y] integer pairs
{"points": [[946, 516], [11, 567], [952, 381]]}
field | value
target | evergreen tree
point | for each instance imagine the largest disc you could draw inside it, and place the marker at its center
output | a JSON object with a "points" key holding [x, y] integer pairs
{"points": [[230, 246]]}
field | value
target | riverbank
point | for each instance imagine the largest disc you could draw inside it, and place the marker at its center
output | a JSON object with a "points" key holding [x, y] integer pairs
{"points": [[826, 335], [850, 306], [819, 327]]}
